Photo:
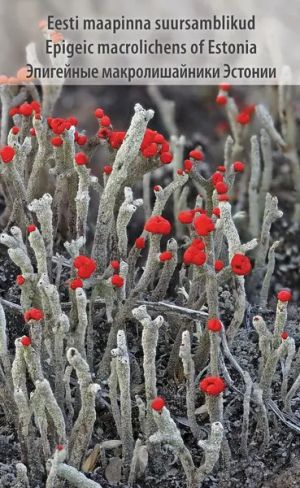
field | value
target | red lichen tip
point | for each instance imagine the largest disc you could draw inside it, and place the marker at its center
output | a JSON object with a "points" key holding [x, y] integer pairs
{"points": [[166, 157], [224, 86], [157, 188], [81, 261], [81, 139], [217, 177], [26, 109], [204, 225], [194, 253], [219, 265], [105, 121], [116, 138], [99, 113], [221, 187], [117, 281], [221, 168], [57, 125], [57, 141], [7, 154], [241, 265], [14, 111], [150, 151], [15, 130], [33, 314], [159, 139], [243, 118], [30, 228], [158, 404], [140, 243], [158, 225], [186, 216], [284, 335], [104, 133], [115, 265], [238, 166], [188, 165], [214, 325], [223, 198], [107, 169], [216, 211], [36, 107], [73, 120], [25, 341], [284, 296], [81, 159], [20, 280], [85, 266], [59, 447], [165, 256], [221, 100], [196, 154], [76, 283], [212, 385], [198, 244]]}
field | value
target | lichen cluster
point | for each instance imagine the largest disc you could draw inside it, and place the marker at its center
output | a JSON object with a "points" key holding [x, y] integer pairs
{"points": [[172, 274]]}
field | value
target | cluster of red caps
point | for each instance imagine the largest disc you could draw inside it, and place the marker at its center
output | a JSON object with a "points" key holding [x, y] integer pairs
{"points": [[156, 225], [85, 267], [245, 115], [7, 153], [26, 109], [204, 225], [194, 157], [31, 315], [211, 386], [56, 125], [195, 254], [222, 97], [153, 145], [187, 216], [218, 182], [116, 280], [59, 125]]}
